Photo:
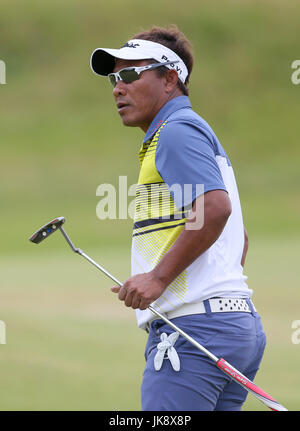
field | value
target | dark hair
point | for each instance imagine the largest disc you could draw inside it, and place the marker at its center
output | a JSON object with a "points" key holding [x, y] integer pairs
{"points": [[175, 40]]}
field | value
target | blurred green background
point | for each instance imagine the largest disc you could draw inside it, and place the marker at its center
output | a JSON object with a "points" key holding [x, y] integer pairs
{"points": [[70, 344]]}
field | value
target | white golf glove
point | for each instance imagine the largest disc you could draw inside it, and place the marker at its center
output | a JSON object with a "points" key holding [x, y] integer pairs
{"points": [[166, 345]]}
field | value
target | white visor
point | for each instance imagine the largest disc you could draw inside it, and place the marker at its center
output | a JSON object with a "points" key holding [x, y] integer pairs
{"points": [[103, 59]]}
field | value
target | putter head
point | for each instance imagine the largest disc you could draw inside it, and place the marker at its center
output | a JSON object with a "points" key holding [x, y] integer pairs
{"points": [[47, 230]]}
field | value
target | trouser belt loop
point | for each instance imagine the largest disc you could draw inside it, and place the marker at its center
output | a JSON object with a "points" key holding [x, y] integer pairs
{"points": [[207, 306], [249, 302]]}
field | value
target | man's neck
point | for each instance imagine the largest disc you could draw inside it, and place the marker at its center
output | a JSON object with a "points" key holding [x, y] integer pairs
{"points": [[175, 93]]}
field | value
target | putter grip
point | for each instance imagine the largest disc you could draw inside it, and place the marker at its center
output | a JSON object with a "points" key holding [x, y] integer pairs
{"points": [[249, 386]]}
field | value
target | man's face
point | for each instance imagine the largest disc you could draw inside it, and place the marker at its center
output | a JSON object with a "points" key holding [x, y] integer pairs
{"points": [[139, 101]]}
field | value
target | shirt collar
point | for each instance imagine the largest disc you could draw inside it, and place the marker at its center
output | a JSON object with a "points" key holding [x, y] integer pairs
{"points": [[168, 109]]}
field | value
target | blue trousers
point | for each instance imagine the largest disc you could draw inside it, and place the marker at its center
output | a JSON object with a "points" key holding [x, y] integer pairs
{"points": [[199, 385]]}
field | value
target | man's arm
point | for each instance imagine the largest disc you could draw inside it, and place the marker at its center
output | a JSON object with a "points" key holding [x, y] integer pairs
{"points": [[140, 290]]}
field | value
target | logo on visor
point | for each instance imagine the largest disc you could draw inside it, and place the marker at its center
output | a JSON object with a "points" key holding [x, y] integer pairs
{"points": [[177, 68], [130, 45]]}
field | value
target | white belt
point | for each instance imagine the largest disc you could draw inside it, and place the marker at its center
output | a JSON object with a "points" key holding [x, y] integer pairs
{"points": [[217, 305]]}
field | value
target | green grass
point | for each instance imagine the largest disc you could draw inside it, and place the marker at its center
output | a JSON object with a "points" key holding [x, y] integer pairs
{"points": [[70, 344]]}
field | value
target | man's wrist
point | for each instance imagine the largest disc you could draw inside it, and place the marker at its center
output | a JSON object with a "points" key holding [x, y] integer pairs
{"points": [[161, 276]]}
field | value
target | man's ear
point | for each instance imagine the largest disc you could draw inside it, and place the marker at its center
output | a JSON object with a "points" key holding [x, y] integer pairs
{"points": [[171, 79]]}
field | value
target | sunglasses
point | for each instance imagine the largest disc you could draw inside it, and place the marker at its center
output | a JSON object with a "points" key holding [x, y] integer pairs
{"points": [[130, 74]]}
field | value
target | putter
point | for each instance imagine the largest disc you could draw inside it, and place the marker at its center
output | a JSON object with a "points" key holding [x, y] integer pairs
{"points": [[56, 224]]}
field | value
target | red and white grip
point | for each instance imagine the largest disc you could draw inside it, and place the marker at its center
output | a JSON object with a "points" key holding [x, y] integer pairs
{"points": [[249, 386]]}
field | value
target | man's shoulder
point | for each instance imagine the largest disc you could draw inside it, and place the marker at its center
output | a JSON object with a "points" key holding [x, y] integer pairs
{"points": [[186, 116], [186, 122], [187, 128]]}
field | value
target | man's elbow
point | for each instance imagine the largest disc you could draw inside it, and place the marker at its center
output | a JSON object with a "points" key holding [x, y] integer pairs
{"points": [[222, 207], [217, 209], [227, 210]]}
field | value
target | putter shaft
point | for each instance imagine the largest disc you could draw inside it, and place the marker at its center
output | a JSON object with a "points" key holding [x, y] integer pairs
{"points": [[238, 377]]}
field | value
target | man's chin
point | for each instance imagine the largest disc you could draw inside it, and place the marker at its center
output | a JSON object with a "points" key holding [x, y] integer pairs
{"points": [[128, 122], [134, 122]]}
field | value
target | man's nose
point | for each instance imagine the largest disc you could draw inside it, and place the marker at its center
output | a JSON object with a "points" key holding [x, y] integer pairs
{"points": [[119, 89]]}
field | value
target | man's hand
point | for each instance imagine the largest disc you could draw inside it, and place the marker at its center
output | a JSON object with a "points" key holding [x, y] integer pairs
{"points": [[140, 290]]}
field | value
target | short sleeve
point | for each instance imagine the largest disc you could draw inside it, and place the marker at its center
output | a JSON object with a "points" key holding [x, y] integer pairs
{"points": [[186, 161]]}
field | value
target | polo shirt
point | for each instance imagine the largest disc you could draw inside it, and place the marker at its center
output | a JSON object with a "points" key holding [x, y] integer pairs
{"points": [[181, 159]]}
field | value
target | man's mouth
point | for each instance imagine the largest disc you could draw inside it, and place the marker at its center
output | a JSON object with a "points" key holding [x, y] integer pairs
{"points": [[122, 106]]}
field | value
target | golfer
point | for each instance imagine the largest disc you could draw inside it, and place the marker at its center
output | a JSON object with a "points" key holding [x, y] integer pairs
{"points": [[189, 243]]}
